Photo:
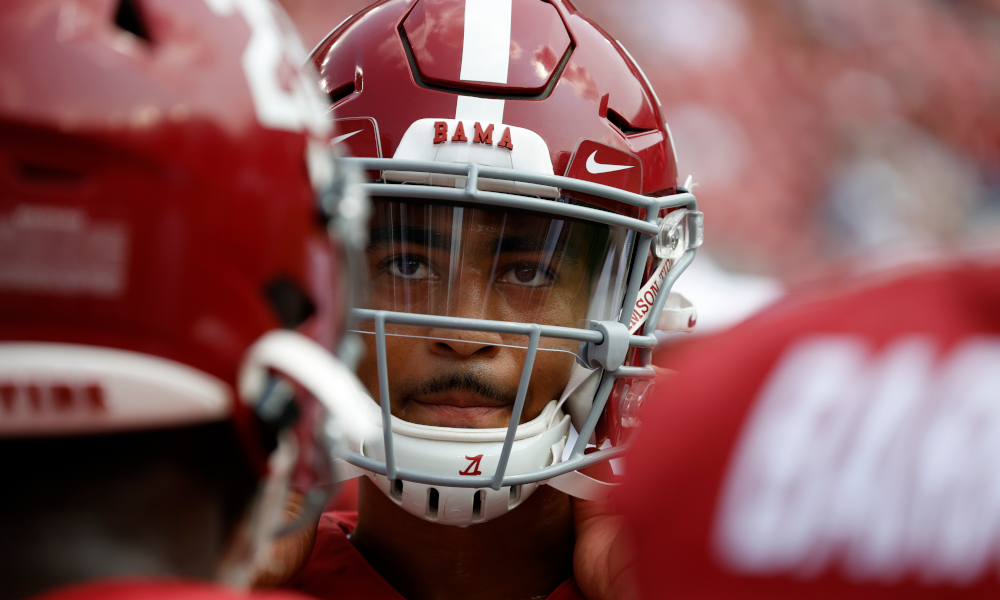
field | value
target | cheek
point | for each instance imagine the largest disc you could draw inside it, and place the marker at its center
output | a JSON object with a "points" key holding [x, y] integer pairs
{"points": [[405, 359], [401, 354], [368, 367], [567, 306], [554, 308], [548, 378]]}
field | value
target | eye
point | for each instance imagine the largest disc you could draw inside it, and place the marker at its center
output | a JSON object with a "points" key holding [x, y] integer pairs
{"points": [[528, 275], [407, 267]]}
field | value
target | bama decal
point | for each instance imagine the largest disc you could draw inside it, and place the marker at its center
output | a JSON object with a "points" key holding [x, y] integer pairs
{"points": [[479, 135], [879, 464]]}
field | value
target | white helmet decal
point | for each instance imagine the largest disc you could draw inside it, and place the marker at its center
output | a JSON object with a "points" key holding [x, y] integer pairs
{"points": [[283, 97]]}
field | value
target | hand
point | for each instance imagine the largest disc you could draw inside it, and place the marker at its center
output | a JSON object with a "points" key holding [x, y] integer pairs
{"points": [[603, 564], [284, 557]]}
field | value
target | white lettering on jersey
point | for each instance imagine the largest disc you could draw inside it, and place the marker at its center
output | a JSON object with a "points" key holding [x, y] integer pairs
{"points": [[884, 464], [284, 97]]}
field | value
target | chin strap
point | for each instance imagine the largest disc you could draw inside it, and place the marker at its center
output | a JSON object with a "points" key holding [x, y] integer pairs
{"points": [[679, 315], [313, 367], [345, 471], [582, 486]]}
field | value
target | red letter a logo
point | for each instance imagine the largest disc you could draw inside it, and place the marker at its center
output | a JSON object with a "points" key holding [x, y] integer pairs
{"points": [[473, 468]]}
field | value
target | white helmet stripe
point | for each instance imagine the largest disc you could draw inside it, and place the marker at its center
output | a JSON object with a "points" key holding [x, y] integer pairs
{"points": [[486, 45], [485, 56]]}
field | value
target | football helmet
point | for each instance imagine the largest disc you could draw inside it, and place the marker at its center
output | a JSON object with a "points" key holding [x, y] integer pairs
{"points": [[167, 199], [527, 220]]}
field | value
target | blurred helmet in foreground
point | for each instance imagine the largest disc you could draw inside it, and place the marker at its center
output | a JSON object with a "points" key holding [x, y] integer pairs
{"points": [[164, 257]]}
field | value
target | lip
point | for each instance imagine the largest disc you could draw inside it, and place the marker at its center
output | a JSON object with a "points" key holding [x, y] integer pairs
{"points": [[461, 410]]}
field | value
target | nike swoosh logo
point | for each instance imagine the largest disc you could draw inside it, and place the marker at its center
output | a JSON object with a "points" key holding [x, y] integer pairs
{"points": [[597, 168], [341, 138]]}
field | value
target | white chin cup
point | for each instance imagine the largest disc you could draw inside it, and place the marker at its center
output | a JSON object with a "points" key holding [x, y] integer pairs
{"points": [[447, 451]]}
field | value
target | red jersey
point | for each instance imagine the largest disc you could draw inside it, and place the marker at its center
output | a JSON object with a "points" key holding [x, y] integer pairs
{"points": [[845, 446], [336, 570], [159, 589]]}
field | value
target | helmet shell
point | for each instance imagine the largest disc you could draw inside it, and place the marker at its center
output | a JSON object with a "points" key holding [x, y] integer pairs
{"points": [[159, 168], [561, 80]]}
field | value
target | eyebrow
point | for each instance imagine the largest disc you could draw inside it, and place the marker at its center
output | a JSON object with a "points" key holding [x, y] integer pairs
{"points": [[438, 240], [419, 236], [526, 244]]}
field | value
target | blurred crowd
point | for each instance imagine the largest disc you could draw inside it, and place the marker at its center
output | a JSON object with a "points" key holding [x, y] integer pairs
{"points": [[816, 130], [824, 129]]}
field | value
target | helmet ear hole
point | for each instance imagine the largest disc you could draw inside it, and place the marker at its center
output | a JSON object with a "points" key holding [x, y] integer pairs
{"points": [[291, 305], [128, 17], [397, 490]]}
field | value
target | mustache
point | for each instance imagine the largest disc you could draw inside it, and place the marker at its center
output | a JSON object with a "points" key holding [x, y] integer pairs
{"points": [[464, 382]]}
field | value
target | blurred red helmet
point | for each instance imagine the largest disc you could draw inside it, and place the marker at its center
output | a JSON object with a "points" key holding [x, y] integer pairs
{"points": [[162, 244], [534, 113], [838, 445]]}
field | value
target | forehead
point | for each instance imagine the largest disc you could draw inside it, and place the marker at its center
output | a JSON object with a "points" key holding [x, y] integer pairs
{"points": [[444, 218], [483, 231], [443, 227]]}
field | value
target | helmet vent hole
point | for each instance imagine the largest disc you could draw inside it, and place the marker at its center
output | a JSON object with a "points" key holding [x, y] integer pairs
{"points": [[477, 505], [432, 503], [342, 92], [129, 18], [48, 175], [623, 126], [514, 497], [397, 489]]}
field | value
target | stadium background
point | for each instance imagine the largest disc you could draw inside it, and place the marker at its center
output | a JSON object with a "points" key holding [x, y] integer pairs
{"points": [[821, 133]]}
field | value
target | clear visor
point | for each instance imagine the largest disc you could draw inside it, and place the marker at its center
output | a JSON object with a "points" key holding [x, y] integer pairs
{"points": [[476, 262]]}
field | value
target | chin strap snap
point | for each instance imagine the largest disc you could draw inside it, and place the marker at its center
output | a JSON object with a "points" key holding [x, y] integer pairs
{"points": [[582, 486], [609, 354]]}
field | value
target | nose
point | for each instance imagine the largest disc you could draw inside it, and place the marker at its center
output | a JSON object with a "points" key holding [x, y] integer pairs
{"points": [[472, 301], [457, 344]]}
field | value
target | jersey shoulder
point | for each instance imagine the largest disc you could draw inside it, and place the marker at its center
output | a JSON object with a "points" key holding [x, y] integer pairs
{"points": [[335, 569], [161, 590]]}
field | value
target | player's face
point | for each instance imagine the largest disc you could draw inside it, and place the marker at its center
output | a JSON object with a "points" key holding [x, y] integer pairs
{"points": [[473, 263]]}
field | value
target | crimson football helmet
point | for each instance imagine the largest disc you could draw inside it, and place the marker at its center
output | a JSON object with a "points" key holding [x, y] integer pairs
{"points": [[166, 201], [526, 212]]}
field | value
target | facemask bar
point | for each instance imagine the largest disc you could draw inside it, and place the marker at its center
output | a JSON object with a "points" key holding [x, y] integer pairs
{"points": [[448, 339], [648, 229], [346, 209]]}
